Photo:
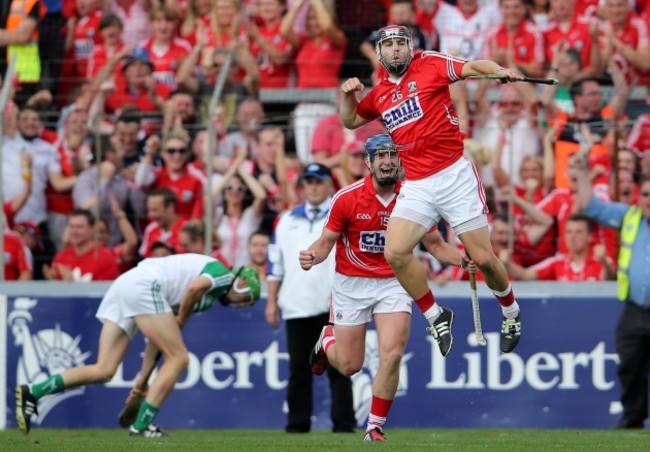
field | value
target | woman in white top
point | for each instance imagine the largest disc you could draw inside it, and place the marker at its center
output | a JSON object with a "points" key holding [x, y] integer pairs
{"points": [[240, 215]]}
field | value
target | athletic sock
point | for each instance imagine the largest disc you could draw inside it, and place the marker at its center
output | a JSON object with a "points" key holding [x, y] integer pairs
{"points": [[328, 340], [52, 385], [505, 298], [379, 409], [428, 306], [510, 312], [146, 415]]}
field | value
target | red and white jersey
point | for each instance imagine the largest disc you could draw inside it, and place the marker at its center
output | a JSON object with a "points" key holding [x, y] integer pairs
{"points": [[634, 34], [155, 233], [639, 138], [86, 36], [15, 259], [560, 268], [528, 43], [100, 56], [361, 216], [576, 36], [166, 62], [272, 75], [465, 36], [419, 115], [187, 188]]}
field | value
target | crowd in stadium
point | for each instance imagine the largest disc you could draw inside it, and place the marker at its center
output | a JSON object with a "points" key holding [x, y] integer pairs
{"points": [[105, 133]]}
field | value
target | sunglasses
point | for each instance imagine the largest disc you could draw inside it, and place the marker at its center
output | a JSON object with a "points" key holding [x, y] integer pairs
{"points": [[172, 151], [510, 104], [241, 188]]}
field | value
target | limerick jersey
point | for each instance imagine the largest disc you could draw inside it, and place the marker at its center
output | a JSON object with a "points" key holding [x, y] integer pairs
{"points": [[419, 115], [174, 274], [361, 216]]}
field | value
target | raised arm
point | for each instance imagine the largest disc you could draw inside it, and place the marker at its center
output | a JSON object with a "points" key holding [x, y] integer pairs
{"points": [[319, 250], [286, 26], [350, 103]]}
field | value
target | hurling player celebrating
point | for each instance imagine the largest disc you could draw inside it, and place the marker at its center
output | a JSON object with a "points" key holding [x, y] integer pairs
{"points": [[365, 287], [415, 105]]}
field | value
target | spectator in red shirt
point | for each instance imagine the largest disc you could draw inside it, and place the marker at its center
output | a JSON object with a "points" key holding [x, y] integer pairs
{"points": [[571, 31], [579, 264], [110, 29], [269, 47], [198, 18], [517, 41], [165, 50], [165, 223], [17, 261], [174, 175], [82, 37], [321, 51], [627, 40], [83, 259]]}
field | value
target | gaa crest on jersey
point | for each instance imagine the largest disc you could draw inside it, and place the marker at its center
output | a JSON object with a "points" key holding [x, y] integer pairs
{"points": [[372, 241], [412, 86], [405, 113]]}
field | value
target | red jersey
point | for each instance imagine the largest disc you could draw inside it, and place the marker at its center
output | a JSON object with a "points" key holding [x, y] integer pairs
{"points": [[318, 63], [634, 34], [361, 216], [530, 255], [639, 138], [560, 268], [187, 188], [559, 204], [15, 256], [155, 233], [528, 43], [586, 7], [61, 202], [99, 58], [102, 267], [166, 62], [86, 36], [419, 114], [272, 75], [577, 37]]}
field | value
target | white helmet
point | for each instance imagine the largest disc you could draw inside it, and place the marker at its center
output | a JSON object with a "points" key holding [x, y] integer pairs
{"points": [[393, 32]]}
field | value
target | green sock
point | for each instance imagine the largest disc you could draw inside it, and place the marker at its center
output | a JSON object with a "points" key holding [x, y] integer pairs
{"points": [[146, 415], [52, 385]]}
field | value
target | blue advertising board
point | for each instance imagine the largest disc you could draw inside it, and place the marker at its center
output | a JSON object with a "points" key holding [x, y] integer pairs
{"points": [[562, 375]]}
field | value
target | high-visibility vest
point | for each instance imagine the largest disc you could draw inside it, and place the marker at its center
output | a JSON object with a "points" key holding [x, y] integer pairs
{"points": [[28, 61], [629, 231]]}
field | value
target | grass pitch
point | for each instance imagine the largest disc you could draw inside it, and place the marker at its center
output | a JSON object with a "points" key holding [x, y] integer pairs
{"points": [[273, 440]]}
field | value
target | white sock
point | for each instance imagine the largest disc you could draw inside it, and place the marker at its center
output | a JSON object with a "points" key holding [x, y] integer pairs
{"points": [[432, 313], [510, 312]]}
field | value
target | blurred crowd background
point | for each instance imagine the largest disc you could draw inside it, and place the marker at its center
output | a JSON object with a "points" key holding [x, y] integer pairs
{"points": [[108, 123]]}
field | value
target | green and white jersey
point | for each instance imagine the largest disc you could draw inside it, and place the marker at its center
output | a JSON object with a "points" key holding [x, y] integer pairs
{"points": [[173, 274]]}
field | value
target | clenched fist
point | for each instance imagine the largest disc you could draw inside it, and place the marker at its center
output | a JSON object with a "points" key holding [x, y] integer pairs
{"points": [[351, 86], [307, 259]]}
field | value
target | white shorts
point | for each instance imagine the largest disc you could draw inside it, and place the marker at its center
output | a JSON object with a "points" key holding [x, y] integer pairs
{"points": [[136, 292], [356, 299], [455, 194]]}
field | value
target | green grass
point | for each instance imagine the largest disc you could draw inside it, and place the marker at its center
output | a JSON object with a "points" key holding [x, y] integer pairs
{"points": [[273, 440]]}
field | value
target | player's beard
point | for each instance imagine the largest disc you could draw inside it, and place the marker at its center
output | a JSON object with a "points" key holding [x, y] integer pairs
{"points": [[386, 180]]}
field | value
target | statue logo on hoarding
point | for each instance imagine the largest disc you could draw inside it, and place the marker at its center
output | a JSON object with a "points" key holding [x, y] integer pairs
{"points": [[362, 380], [44, 353]]}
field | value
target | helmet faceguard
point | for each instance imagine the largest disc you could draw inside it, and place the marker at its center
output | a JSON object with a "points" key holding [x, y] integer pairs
{"points": [[380, 144], [252, 288], [395, 32]]}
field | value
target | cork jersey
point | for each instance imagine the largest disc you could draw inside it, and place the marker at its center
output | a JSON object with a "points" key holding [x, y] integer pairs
{"points": [[419, 115], [361, 216]]}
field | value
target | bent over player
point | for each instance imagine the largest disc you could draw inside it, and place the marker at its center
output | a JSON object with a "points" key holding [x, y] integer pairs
{"points": [[145, 298], [415, 105], [364, 286]]}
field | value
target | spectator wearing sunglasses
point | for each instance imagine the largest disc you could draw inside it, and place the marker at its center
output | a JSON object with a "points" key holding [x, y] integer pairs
{"points": [[242, 211], [174, 175]]}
